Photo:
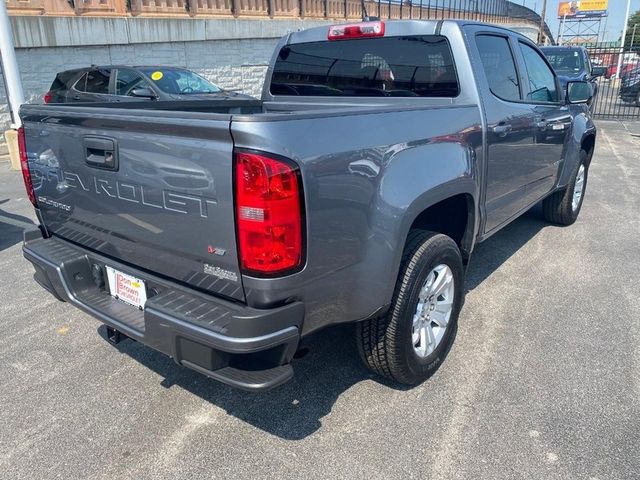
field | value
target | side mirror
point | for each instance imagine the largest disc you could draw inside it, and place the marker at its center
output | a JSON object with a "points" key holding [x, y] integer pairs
{"points": [[579, 92], [142, 93], [599, 71]]}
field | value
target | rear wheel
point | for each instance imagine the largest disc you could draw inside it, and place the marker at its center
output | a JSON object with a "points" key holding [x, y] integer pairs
{"points": [[410, 342], [563, 207]]}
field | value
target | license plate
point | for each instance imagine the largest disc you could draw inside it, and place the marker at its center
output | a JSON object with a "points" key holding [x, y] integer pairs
{"points": [[127, 288]]}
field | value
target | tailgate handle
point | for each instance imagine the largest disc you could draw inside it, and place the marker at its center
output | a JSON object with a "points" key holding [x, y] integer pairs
{"points": [[101, 152]]}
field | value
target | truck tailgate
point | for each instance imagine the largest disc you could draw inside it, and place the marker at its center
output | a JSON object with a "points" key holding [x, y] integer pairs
{"points": [[148, 189]]}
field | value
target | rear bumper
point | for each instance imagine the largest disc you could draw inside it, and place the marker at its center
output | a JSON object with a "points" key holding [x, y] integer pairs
{"points": [[241, 346]]}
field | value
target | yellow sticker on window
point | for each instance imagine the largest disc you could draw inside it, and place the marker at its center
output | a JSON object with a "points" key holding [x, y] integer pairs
{"points": [[156, 76]]}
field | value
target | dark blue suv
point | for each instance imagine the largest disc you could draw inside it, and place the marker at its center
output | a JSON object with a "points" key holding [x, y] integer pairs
{"points": [[573, 63]]}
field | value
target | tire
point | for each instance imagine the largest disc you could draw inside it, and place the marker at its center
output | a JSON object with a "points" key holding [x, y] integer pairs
{"points": [[386, 344], [637, 102], [558, 208]]}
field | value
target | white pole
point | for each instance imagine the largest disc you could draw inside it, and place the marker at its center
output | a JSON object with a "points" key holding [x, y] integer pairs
{"points": [[561, 35], [542, 36], [10, 70], [633, 36], [624, 34]]}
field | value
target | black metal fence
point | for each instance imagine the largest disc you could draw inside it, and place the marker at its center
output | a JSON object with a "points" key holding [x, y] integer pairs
{"points": [[491, 11], [618, 95]]}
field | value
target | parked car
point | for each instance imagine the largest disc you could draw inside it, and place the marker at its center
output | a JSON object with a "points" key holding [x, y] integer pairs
{"points": [[119, 83], [630, 87], [612, 70], [630, 70], [573, 63], [223, 239]]}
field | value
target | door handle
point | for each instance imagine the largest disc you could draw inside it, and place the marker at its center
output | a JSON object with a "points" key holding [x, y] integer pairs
{"points": [[501, 129], [552, 126], [101, 152]]}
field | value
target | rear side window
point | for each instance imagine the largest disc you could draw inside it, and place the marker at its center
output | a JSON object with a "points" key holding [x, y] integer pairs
{"points": [[416, 66], [98, 81], [499, 66]]}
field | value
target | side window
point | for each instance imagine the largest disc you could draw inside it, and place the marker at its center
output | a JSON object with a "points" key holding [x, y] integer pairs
{"points": [[98, 81], [81, 84], [499, 66], [541, 80], [128, 80]]}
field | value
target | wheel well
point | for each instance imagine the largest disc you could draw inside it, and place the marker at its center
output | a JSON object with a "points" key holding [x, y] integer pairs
{"points": [[452, 217], [588, 144]]}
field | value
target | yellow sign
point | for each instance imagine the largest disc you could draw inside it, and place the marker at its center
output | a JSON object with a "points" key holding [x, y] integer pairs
{"points": [[156, 76], [583, 9]]}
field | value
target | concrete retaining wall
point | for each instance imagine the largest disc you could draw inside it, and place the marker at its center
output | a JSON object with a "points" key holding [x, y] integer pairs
{"points": [[234, 54]]}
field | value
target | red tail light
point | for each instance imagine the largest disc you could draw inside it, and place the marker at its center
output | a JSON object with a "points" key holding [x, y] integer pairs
{"points": [[268, 214], [356, 30], [48, 97], [24, 164]]}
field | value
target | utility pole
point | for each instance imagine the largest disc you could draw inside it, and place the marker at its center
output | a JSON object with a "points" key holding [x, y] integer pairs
{"points": [[561, 29], [624, 35], [10, 71], [633, 36], [541, 35]]}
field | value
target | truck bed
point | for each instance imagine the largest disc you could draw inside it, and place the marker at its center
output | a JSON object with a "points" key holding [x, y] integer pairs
{"points": [[169, 202], [246, 109]]}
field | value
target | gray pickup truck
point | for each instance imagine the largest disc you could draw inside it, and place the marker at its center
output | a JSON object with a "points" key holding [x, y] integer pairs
{"points": [[222, 232]]}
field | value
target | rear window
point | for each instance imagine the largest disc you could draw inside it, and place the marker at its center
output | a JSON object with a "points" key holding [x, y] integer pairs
{"points": [[415, 66], [63, 80]]}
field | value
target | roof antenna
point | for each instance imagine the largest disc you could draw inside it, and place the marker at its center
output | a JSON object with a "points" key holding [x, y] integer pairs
{"points": [[365, 15]]}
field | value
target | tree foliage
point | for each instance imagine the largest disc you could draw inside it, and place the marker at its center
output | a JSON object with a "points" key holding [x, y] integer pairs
{"points": [[633, 20]]}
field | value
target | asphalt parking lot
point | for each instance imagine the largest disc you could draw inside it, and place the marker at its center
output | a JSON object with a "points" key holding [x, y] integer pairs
{"points": [[542, 382]]}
